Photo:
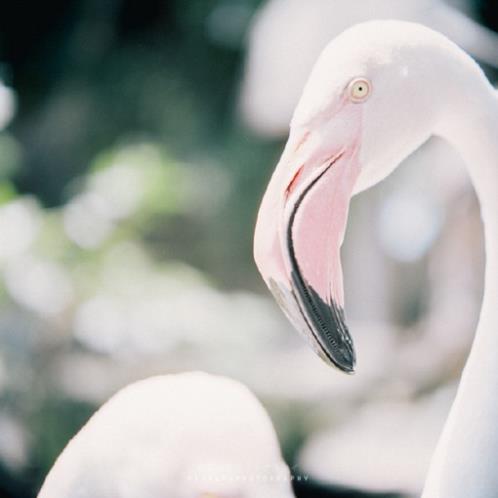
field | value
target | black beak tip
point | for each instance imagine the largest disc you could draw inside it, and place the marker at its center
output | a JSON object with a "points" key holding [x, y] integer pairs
{"points": [[348, 369], [327, 324], [345, 360], [322, 322]]}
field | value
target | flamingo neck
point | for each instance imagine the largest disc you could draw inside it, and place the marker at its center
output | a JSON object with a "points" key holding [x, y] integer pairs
{"points": [[475, 135], [464, 463]]}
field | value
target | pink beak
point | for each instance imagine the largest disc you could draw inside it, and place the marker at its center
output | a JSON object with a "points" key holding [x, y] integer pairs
{"points": [[299, 231]]}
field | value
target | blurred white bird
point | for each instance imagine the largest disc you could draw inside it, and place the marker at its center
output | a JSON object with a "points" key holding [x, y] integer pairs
{"points": [[385, 446], [190, 435], [7, 105]]}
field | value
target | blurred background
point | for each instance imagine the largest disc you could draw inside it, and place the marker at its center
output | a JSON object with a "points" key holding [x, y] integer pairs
{"points": [[136, 141]]}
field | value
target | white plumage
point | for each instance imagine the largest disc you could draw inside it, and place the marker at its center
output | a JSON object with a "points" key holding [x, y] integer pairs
{"points": [[418, 84], [177, 436], [286, 31]]}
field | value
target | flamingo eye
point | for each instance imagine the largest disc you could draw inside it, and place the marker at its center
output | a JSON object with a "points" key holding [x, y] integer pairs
{"points": [[359, 89]]}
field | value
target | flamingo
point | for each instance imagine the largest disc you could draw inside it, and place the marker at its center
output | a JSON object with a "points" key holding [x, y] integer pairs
{"points": [[378, 92], [306, 27], [190, 435]]}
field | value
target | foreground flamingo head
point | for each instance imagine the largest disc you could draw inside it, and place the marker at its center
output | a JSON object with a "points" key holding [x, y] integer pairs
{"points": [[377, 92], [190, 435]]}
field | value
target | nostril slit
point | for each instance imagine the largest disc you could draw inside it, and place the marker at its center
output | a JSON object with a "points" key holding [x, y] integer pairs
{"points": [[292, 185]]}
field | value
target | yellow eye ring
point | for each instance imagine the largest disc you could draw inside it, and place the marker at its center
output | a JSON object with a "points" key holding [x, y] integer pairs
{"points": [[359, 89]]}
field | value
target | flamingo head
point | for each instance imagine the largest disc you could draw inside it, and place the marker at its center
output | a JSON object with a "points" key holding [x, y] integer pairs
{"points": [[376, 93]]}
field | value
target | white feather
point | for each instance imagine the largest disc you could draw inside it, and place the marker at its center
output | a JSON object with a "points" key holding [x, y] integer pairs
{"points": [[175, 436]]}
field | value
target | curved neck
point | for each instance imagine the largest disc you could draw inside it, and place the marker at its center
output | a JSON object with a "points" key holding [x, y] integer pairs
{"points": [[474, 133], [464, 463]]}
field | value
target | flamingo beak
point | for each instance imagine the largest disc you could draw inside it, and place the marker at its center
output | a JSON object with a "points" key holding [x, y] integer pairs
{"points": [[299, 231]]}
